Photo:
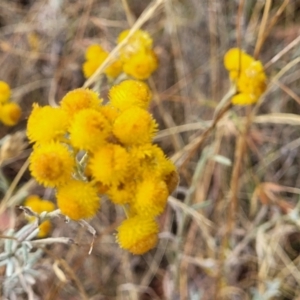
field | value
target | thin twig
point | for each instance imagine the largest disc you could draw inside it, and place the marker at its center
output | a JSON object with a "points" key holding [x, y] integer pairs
{"points": [[129, 15], [235, 178], [290, 92], [286, 49], [13, 185], [275, 19], [192, 147], [239, 23], [262, 27]]}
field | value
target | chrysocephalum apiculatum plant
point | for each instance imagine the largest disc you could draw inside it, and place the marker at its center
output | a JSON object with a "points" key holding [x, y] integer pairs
{"points": [[97, 149]]}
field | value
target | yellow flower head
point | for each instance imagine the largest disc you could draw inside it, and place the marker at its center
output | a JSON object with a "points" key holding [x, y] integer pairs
{"points": [[93, 52], [38, 205], [78, 200], [138, 234], [51, 164], [114, 69], [237, 60], [109, 164], [46, 123], [140, 40], [95, 56], [150, 159], [89, 130], [4, 92], [151, 197], [122, 193], [141, 65], [44, 229], [134, 126], [89, 67], [248, 75], [10, 113], [110, 113], [130, 93], [143, 161], [252, 80], [79, 99]]}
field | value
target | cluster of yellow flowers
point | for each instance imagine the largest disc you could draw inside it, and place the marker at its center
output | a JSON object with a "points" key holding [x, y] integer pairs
{"points": [[136, 59], [10, 112], [247, 74], [95, 149], [38, 206]]}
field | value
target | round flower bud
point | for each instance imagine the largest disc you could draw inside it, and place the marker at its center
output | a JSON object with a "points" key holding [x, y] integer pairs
{"points": [[150, 197], [109, 164], [141, 65], [134, 126], [79, 99], [140, 40], [10, 113], [51, 164], [138, 234], [40, 125], [78, 200], [89, 130], [130, 93]]}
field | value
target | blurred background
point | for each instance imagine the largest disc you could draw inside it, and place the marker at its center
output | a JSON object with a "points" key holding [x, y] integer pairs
{"points": [[231, 228]]}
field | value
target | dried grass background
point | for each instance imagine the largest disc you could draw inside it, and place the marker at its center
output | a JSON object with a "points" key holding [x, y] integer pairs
{"points": [[231, 229]]}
